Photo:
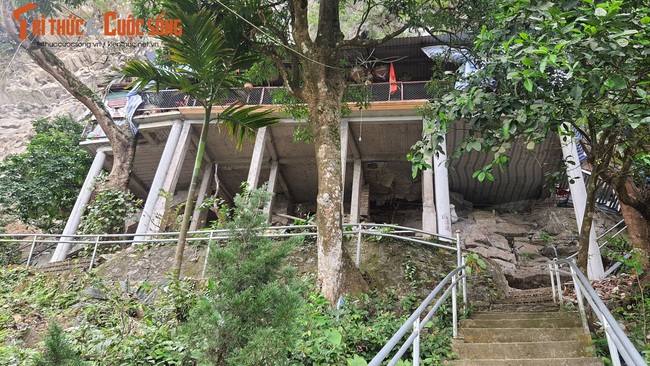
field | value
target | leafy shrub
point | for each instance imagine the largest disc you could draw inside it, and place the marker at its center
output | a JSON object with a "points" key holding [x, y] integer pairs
{"points": [[355, 332], [249, 315], [107, 213], [40, 186]]}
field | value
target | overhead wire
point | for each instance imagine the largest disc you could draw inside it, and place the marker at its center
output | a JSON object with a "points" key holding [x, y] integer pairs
{"points": [[280, 43]]}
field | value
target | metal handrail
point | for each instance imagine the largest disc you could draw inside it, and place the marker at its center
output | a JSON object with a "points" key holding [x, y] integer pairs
{"points": [[451, 282], [210, 235], [617, 341]]}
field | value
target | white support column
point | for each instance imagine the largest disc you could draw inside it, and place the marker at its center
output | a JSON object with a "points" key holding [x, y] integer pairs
{"points": [[83, 199], [273, 181], [158, 179], [441, 177], [357, 182], [428, 205], [171, 178], [256, 159], [578, 190], [345, 135], [206, 181]]}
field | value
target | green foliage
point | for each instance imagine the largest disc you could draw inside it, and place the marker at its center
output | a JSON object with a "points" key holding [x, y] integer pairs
{"points": [[108, 211], [249, 315], [40, 186], [58, 352], [355, 332], [10, 253], [474, 262], [545, 64], [120, 325]]}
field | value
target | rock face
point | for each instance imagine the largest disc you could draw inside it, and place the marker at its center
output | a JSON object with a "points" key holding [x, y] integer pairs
{"points": [[27, 92], [522, 243]]}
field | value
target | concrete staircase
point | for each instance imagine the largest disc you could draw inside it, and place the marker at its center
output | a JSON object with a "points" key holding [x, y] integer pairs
{"points": [[525, 330]]}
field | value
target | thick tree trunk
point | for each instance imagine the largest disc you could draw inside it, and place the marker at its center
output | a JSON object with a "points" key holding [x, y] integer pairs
{"points": [[636, 213], [638, 227], [323, 91], [121, 138]]}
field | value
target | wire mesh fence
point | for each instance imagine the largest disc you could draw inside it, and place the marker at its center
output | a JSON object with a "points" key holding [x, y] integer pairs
{"points": [[167, 100]]}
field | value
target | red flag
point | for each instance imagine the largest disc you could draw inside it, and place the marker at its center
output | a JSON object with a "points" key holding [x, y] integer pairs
{"points": [[392, 79]]}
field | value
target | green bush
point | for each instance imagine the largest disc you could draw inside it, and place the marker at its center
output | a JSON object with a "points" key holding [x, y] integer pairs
{"points": [[58, 352], [108, 211], [249, 316], [355, 332], [39, 187]]}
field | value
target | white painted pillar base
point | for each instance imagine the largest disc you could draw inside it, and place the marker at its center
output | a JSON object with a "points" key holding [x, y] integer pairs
{"points": [[158, 180], [83, 199], [441, 177], [578, 190]]}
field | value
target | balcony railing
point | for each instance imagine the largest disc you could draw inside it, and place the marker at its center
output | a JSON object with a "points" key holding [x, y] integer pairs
{"points": [[168, 100]]}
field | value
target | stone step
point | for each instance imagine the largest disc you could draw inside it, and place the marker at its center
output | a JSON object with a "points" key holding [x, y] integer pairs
{"points": [[520, 350], [484, 315], [584, 361], [518, 307], [559, 322], [504, 335]]}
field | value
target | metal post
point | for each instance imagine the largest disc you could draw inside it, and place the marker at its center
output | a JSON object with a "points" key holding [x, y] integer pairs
{"points": [[559, 284], [551, 267], [92, 260], [416, 342], [581, 305], [207, 254], [454, 305], [31, 251], [359, 247], [464, 283], [613, 351], [458, 256]]}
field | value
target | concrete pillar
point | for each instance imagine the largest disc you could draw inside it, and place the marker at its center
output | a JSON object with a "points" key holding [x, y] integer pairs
{"points": [[171, 178], [273, 181], [199, 217], [158, 179], [345, 135], [441, 177], [428, 205], [578, 190], [83, 199], [256, 159], [357, 182]]}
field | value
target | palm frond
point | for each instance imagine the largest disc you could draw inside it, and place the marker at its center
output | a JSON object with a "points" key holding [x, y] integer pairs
{"points": [[243, 120]]}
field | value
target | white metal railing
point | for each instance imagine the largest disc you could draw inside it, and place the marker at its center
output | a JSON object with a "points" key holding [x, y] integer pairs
{"points": [[416, 323], [204, 236], [453, 282], [618, 342]]}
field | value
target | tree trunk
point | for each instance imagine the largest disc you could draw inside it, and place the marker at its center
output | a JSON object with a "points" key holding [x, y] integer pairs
{"points": [[636, 213], [121, 138], [587, 222], [638, 227], [323, 90]]}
